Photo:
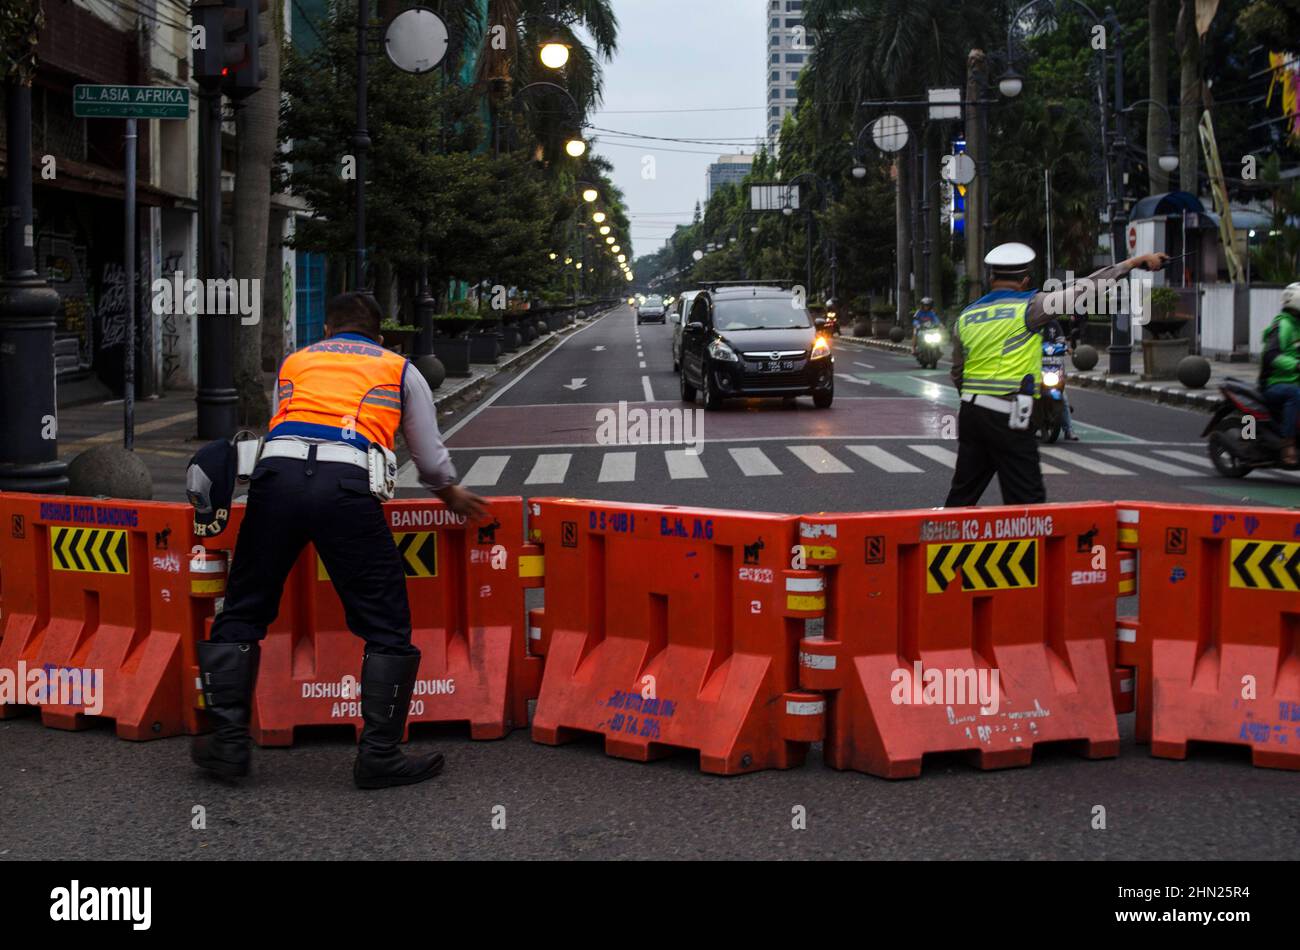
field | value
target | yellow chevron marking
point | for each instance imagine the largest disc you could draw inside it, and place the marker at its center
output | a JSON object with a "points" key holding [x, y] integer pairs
{"points": [[1264, 565], [90, 550], [418, 551], [980, 564]]}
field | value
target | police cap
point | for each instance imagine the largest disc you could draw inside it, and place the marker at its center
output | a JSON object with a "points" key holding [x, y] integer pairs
{"points": [[1010, 260]]}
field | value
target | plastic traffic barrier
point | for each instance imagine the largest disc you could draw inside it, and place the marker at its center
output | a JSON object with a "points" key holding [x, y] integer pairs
{"points": [[1216, 637], [987, 631], [674, 627], [465, 584], [103, 603]]}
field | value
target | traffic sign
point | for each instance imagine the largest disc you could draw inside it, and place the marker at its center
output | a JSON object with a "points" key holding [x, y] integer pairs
{"points": [[889, 132], [130, 102]]}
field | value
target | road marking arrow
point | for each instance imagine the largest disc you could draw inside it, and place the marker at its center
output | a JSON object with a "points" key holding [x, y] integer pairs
{"points": [[597, 349], [579, 382]]}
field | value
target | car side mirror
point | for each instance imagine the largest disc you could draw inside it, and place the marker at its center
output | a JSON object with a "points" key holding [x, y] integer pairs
{"points": [[695, 327]]}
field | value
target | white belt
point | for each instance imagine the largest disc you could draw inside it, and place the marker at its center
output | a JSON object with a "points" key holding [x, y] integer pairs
{"points": [[325, 452], [988, 402]]}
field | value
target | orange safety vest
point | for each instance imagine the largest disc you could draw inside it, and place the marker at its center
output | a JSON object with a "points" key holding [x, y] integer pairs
{"points": [[346, 388]]}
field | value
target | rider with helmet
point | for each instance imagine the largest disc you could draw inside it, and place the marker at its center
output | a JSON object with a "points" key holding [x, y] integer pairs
{"points": [[1279, 370], [924, 318]]}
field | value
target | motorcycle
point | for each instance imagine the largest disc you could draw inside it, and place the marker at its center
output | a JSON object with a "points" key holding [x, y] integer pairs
{"points": [[1049, 408], [832, 327], [1243, 435], [929, 346]]}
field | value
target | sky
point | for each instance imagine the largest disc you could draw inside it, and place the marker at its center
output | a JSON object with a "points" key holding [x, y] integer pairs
{"points": [[676, 55]]}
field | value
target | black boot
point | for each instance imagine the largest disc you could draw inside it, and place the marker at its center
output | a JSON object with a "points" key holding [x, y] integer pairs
{"points": [[386, 685], [227, 672]]}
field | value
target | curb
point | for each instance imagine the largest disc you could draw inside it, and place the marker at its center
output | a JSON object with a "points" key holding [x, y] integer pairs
{"points": [[1169, 394], [1172, 395], [468, 392]]}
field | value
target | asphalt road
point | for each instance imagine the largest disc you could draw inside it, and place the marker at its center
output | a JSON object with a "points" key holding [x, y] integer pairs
{"points": [[90, 795]]}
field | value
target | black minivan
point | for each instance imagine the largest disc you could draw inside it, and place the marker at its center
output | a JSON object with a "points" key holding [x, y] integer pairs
{"points": [[754, 340]]}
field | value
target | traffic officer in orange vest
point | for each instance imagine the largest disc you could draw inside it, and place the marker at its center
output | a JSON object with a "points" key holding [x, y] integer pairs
{"points": [[338, 407], [997, 364]]}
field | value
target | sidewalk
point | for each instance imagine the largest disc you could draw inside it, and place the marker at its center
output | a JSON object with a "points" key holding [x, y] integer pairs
{"points": [[165, 426], [1169, 391]]}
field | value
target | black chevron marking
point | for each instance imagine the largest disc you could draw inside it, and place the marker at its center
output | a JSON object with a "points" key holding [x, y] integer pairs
{"points": [[1240, 564], [1029, 561], [60, 539], [936, 563], [1004, 563], [963, 555], [120, 552], [428, 553], [1266, 565], [73, 544], [981, 566], [1293, 567]]}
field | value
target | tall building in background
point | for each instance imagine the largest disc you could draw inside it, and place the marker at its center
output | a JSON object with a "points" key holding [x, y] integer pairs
{"points": [[788, 48], [727, 169]]}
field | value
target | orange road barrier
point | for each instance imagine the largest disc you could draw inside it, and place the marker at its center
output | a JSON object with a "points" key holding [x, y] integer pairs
{"points": [[1216, 640], [465, 584], [103, 602], [987, 631], [674, 627]]}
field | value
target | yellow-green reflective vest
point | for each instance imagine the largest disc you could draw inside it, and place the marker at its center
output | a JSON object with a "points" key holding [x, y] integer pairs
{"points": [[1000, 351]]}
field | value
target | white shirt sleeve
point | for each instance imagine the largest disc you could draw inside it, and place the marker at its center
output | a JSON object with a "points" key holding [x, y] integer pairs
{"points": [[420, 430]]}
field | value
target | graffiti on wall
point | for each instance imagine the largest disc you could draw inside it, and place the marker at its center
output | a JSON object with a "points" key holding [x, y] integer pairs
{"points": [[170, 331]]}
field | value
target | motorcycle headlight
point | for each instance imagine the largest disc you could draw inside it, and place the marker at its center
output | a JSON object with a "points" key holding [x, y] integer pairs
{"points": [[820, 348], [1051, 379], [720, 351], [933, 336]]}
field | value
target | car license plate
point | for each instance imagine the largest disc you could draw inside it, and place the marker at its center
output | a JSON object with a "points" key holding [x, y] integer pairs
{"points": [[777, 366]]}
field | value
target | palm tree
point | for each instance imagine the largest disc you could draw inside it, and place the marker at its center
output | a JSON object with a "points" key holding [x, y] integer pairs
{"points": [[894, 49], [507, 59]]}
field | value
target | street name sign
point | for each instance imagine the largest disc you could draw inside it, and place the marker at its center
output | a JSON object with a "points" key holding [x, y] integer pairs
{"points": [[130, 102]]}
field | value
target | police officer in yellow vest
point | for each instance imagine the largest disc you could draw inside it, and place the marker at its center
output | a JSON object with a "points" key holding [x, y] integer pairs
{"points": [[339, 404], [997, 366]]}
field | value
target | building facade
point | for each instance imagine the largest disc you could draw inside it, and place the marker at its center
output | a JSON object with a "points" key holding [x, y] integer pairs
{"points": [[788, 48], [728, 169]]}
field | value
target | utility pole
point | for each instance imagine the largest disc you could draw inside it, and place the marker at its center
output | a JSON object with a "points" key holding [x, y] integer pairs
{"points": [[361, 142], [1121, 345]]}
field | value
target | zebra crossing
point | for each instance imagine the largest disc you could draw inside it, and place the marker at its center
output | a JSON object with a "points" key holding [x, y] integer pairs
{"points": [[627, 463]]}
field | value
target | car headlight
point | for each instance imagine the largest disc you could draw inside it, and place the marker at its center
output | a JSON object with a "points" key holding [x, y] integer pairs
{"points": [[933, 336], [1051, 379], [720, 351], [820, 348]]}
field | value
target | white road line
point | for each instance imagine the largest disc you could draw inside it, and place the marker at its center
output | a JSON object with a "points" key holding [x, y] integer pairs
{"points": [[1164, 468], [754, 462], [549, 469], [1085, 462], [942, 456], [486, 471], [882, 459], [618, 467], [649, 392], [867, 365], [819, 460], [1201, 460], [850, 378], [682, 464], [642, 366]]}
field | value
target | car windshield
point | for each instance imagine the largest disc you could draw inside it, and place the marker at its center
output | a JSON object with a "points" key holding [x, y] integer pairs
{"points": [[653, 302], [759, 313]]}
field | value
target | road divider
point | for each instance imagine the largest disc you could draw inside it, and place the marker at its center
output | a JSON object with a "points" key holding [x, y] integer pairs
{"points": [[1215, 639]]}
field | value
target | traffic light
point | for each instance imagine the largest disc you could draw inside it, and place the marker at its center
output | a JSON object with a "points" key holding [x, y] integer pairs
{"points": [[244, 73], [232, 41]]}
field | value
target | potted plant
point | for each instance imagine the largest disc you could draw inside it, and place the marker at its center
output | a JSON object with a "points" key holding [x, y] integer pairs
{"points": [[1163, 343], [399, 337], [882, 318]]}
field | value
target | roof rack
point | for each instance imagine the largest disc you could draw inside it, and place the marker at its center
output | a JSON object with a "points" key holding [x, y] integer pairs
{"points": [[715, 284]]}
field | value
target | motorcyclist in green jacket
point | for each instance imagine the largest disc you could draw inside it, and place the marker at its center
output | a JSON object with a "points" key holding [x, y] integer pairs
{"points": [[1279, 370]]}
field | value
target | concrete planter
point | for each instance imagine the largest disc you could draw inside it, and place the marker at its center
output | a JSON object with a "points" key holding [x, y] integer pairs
{"points": [[484, 348], [557, 321], [510, 339], [453, 354], [880, 326], [1160, 358]]}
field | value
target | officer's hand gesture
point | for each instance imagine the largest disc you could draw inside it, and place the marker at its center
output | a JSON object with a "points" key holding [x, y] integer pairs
{"points": [[1152, 262], [464, 502]]}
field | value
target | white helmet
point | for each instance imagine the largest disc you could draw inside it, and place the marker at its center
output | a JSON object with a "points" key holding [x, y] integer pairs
{"points": [[1291, 298]]}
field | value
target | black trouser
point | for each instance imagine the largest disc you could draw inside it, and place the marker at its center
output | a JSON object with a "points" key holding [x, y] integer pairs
{"points": [[291, 503], [988, 446]]}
